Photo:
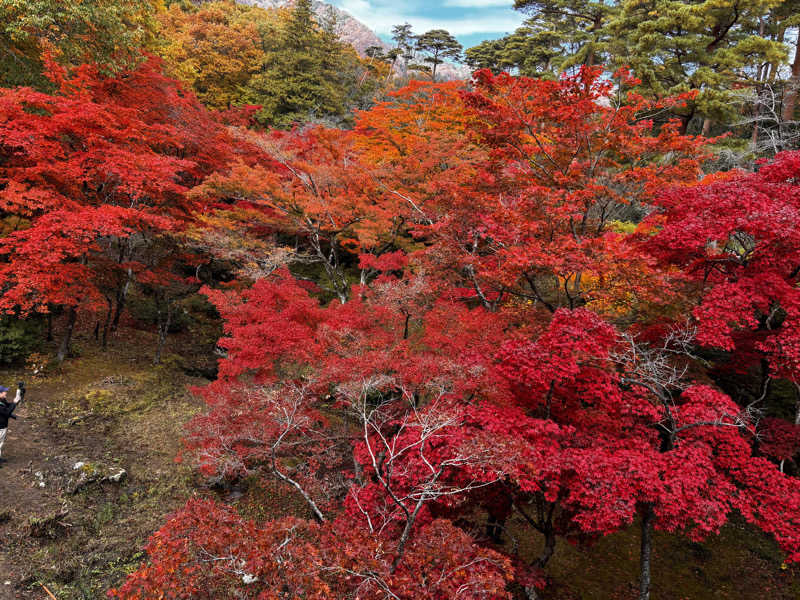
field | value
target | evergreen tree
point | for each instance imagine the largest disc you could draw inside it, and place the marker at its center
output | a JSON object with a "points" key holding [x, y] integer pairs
{"points": [[486, 55], [675, 46], [439, 45], [404, 39], [375, 52], [533, 50], [302, 77], [570, 32], [717, 47]]}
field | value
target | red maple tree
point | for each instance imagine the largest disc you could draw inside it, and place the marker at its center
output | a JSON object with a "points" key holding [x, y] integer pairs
{"points": [[736, 242], [89, 176], [453, 359]]}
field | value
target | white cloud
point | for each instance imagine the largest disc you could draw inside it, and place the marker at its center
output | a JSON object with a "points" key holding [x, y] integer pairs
{"points": [[480, 3]]}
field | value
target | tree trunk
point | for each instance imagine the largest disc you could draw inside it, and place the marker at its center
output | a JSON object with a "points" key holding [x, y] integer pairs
{"points": [[590, 58], [494, 529], [107, 324], [706, 127], [754, 134], [118, 311], [122, 294], [790, 99], [63, 350], [763, 73], [549, 549], [163, 330], [50, 326], [780, 37], [684, 126], [686, 120], [531, 594], [646, 551]]}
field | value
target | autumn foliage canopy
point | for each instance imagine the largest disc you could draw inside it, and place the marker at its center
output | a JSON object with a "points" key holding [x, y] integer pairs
{"points": [[510, 304]]}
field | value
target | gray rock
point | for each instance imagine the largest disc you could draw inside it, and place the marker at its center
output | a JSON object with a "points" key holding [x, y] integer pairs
{"points": [[89, 473]]}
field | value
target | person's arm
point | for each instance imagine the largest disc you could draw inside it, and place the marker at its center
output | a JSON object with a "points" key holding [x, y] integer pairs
{"points": [[17, 399]]}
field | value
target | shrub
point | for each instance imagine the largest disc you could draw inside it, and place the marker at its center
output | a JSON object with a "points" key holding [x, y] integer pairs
{"points": [[18, 338]]}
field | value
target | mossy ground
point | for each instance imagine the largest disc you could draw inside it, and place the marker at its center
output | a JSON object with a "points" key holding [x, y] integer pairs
{"points": [[110, 409], [739, 564]]}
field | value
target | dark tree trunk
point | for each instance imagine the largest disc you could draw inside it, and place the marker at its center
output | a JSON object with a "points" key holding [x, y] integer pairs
{"points": [[755, 132], [790, 99], [164, 322], [684, 126], [50, 326], [122, 294], [63, 350], [763, 72], [548, 550], [686, 120], [494, 529], [797, 407], [646, 551], [119, 308], [107, 324]]}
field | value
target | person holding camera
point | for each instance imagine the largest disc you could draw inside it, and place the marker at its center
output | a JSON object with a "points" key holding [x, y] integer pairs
{"points": [[7, 412]]}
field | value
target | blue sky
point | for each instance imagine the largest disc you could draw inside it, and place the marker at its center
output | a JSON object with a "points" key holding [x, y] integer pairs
{"points": [[471, 21]]}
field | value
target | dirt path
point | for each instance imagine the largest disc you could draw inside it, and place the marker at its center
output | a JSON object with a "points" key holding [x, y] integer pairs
{"points": [[22, 498], [90, 473]]}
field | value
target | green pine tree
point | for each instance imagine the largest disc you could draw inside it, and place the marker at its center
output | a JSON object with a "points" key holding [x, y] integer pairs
{"points": [[533, 50], [438, 45], [578, 28], [719, 47], [558, 36], [404, 39], [715, 47], [303, 75]]}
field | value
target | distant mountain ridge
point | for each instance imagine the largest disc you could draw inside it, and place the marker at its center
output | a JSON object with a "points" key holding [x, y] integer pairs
{"points": [[357, 34], [351, 30]]}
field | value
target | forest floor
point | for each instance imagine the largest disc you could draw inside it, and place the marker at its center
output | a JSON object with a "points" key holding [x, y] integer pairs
{"points": [[90, 470], [73, 521]]}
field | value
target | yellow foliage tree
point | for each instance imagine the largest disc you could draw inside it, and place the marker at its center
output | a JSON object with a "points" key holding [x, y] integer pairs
{"points": [[216, 48]]}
